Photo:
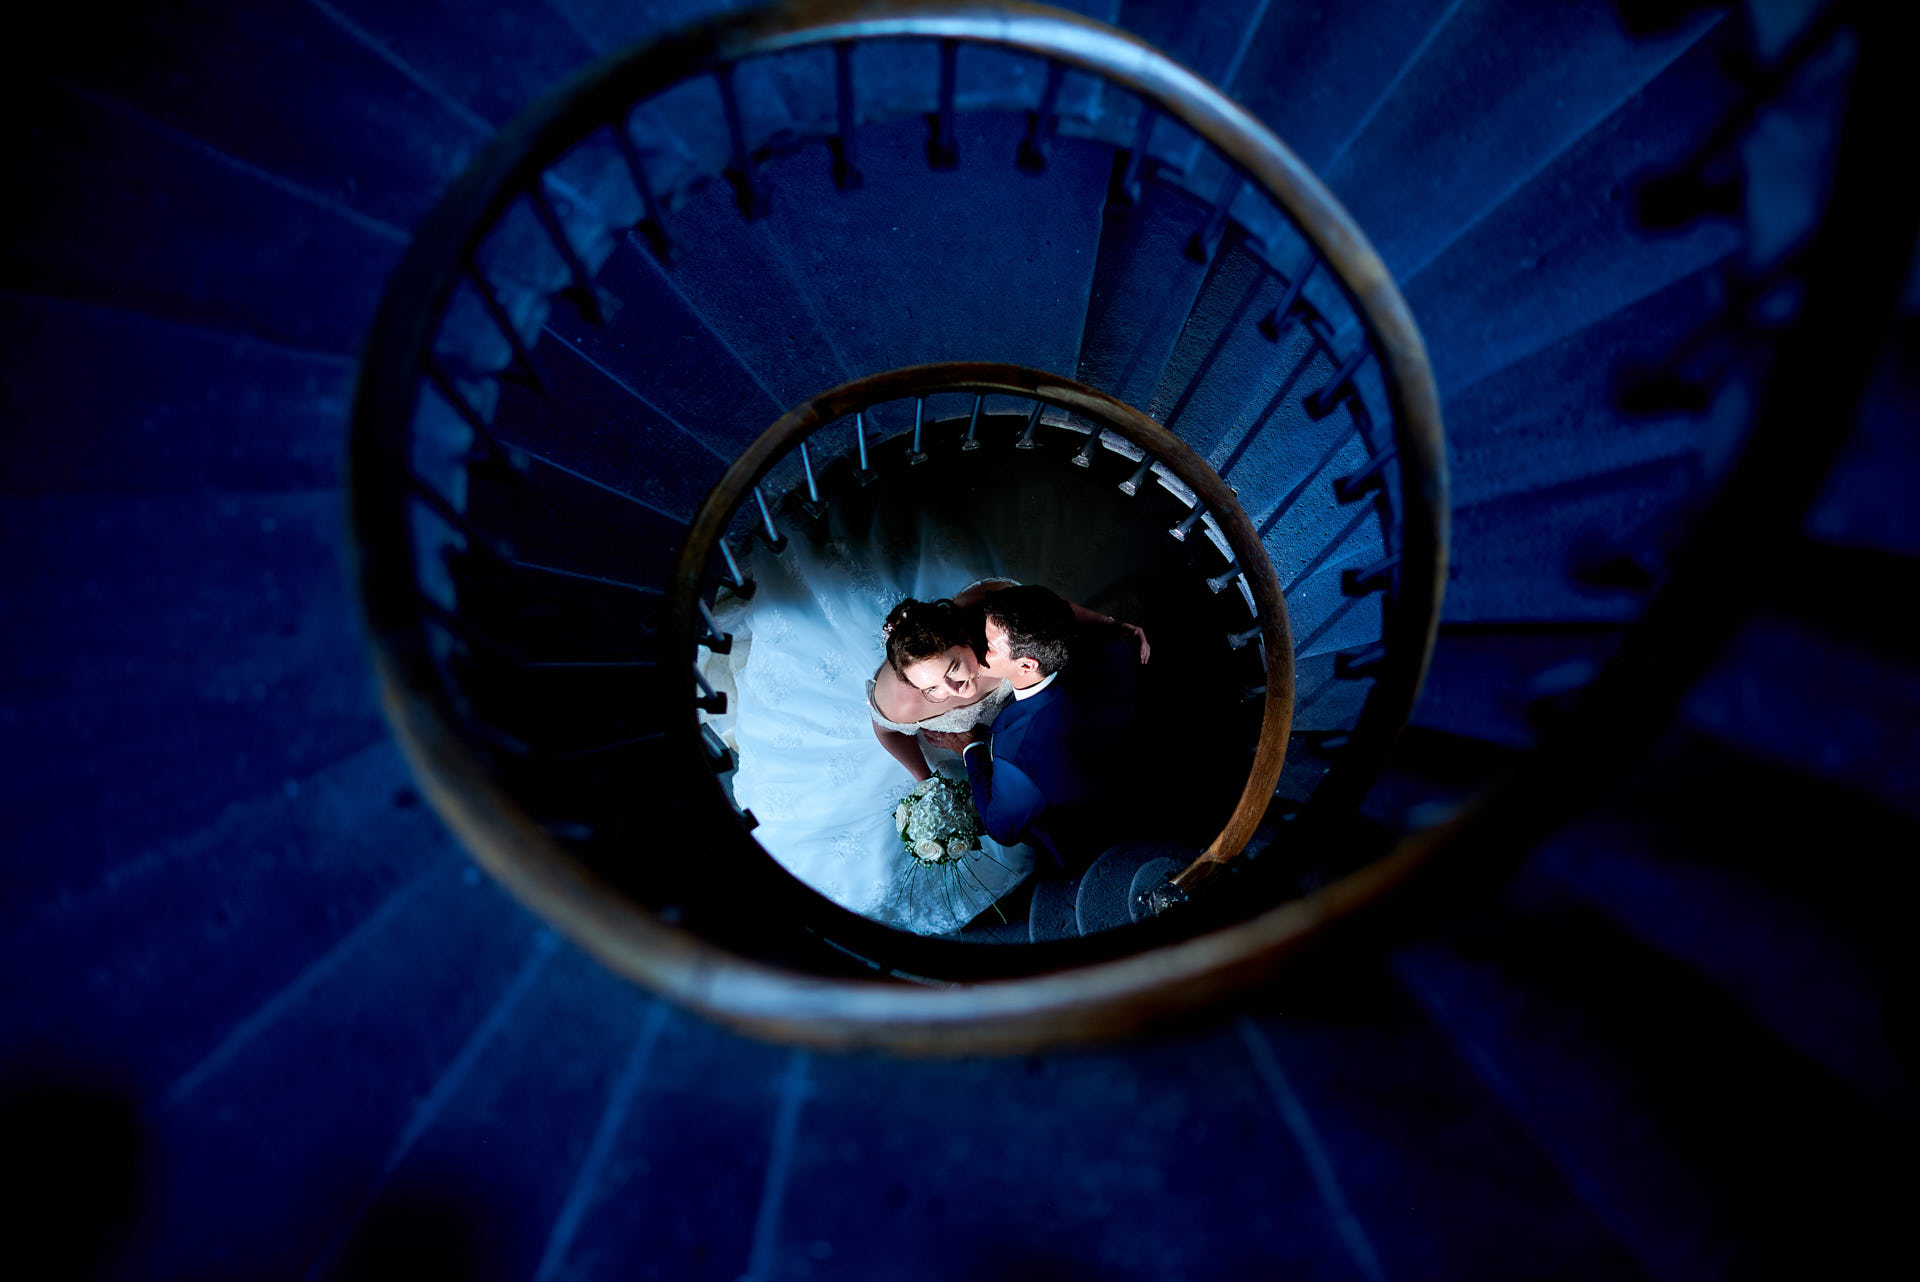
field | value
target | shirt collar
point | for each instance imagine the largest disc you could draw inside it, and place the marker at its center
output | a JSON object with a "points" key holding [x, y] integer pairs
{"points": [[1036, 687]]}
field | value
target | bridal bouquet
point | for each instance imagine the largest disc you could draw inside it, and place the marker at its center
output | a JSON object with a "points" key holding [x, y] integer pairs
{"points": [[937, 822]]}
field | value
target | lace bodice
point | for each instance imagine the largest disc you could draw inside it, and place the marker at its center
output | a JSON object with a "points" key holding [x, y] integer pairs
{"points": [[979, 713]]}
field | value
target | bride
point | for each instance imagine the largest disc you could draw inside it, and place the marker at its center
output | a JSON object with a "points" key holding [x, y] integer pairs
{"points": [[803, 715]]}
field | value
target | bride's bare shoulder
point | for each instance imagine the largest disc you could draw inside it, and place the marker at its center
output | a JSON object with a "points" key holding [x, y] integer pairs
{"points": [[896, 700]]}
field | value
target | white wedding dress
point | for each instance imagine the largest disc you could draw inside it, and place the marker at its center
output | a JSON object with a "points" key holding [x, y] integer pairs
{"points": [[800, 718]]}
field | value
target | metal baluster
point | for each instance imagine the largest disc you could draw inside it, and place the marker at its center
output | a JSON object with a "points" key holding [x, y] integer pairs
{"points": [[490, 299], [581, 290], [1358, 582], [1277, 320], [746, 190], [813, 507], [1041, 124], [916, 454], [498, 550], [491, 451], [1127, 186], [1085, 457], [942, 152], [651, 225], [1365, 662], [1221, 582], [741, 588], [1241, 640], [1132, 484], [1201, 245], [973, 423], [1026, 441], [1185, 527], [713, 638], [1371, 476], [846, 158], [1319, 404], [719, 756], [710, 700], [865, 475], [775, 541]]}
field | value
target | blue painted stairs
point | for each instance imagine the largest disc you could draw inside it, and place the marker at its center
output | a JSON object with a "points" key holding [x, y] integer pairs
{"points": [[1680, 1045]]}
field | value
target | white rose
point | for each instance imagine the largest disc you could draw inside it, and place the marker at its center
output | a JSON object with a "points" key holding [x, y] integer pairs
{"points": [[959, 846], [900, 817], [929, 849], [926, 785]]}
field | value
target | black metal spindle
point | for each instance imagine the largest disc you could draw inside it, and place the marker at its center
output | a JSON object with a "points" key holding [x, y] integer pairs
{"points": [[711, 636], [1355, 581], [1202, 244], [489, 450], [942, 151], [652, 225], [1185, 527], [973, 423], [1221, 582], [498, 550], [746, 187], [710, 700], [1353, 665], [776, 542], [1132, 484], [916, 454], [490, 300], [718, 755], [813, 507], [584, 296], [736, 580], [1026, 441], [1320, 403], [1276, 321], [1127, 186], [1371, 476], [1042, 122], [866, 474], [1085, 457], [846, 156], [1240, 640]]}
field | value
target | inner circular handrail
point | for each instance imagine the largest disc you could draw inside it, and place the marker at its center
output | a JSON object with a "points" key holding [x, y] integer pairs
{"points": [[1081, 1001], [695, 568]]}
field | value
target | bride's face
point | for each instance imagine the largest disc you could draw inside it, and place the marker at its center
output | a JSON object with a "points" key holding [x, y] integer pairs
{"points": [[954, 675]]}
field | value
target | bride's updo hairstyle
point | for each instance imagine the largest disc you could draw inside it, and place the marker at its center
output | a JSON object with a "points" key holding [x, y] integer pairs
{"points": [[917, 630]]}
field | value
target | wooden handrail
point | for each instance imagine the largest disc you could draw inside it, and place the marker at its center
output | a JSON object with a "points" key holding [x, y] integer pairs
{"points": [[1102, 998], [693, 569]]}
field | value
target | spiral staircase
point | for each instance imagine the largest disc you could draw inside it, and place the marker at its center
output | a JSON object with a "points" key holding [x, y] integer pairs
{"points": [[1642, 1010]]}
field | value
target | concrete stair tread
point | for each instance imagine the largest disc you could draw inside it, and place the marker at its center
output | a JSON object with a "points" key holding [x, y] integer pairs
{"points": [[1651, 1091]]}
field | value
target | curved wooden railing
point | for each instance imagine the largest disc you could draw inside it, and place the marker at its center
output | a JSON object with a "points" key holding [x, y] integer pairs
{"points": [[704, 562], [454, 324]]}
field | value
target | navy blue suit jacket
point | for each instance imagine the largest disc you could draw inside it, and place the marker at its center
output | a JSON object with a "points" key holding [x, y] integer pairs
{"points": [[1043, 765]]}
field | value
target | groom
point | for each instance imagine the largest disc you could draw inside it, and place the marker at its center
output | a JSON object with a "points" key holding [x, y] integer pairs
{"points": [[1031, 773]]}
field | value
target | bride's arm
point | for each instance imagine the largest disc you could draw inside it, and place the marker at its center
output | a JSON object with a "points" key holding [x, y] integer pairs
{"points": [[1083, 615], [975, 593], [905, 749]]}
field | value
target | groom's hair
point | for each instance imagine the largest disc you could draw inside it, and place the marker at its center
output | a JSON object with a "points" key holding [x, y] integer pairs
{"points": [[1038, 622]]}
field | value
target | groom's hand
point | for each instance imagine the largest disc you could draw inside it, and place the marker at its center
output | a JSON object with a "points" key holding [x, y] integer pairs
{"points": [[952, 740]]}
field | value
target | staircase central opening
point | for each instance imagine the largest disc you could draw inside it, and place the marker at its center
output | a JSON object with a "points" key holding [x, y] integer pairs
{"points": [[956, 509]]}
